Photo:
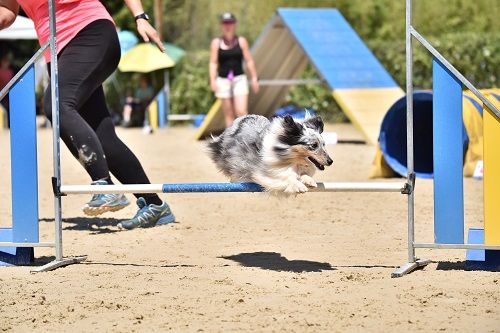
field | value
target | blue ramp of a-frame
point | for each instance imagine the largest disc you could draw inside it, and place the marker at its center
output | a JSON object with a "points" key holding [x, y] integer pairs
{"points": [[335, 49]]}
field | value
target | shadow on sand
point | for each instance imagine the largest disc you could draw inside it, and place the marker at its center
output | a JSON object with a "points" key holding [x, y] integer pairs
{"points": [[468, 266], [96, 225], [276, 262]]}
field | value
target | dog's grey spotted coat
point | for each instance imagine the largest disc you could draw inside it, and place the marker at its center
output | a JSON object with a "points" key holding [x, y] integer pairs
{"points": [[237, 151]]}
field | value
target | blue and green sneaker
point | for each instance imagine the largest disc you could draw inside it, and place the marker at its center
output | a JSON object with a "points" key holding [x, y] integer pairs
{"points": [[102, 203], [149, 216]]}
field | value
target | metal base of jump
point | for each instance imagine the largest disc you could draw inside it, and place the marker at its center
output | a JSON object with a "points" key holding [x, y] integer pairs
{"points": [[57, 264], [412, 266], [409, 267], [51, 265], [226, 187]]}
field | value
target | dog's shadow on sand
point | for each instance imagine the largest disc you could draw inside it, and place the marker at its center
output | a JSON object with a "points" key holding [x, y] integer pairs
{"points": [[96, 225], [468, 266], [276, 262]]}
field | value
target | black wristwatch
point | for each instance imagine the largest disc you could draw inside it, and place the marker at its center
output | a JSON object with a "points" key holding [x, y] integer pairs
{"points": [[142, 16]]}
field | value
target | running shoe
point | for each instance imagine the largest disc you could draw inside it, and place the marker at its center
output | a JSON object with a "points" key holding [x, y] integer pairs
{"points": [[149, 216], [102, 203]]}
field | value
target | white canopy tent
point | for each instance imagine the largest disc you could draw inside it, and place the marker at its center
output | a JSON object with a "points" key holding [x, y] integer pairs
{"points": [[22, 28]]}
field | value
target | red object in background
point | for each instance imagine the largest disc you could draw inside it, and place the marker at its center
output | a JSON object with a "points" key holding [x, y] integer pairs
{"points": [[6, 74]]}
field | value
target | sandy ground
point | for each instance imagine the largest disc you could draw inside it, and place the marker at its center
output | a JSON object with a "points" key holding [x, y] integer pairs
{"points": [[244, 262]]}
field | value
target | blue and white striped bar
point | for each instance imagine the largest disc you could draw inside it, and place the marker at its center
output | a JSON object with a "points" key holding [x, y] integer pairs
{"points": [[225, 187]]}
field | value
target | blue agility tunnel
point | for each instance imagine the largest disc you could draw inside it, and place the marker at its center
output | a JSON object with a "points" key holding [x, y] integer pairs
{"points": [[392, 137]]}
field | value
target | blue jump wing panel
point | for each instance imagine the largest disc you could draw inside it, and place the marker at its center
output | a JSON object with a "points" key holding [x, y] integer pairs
{"points": [[481, 259], [335, 49], [24, 159], [448, 156], [23, 173]]}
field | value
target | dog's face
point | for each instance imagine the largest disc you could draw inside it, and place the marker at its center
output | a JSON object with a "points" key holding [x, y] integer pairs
{"points": [[305, 140]]}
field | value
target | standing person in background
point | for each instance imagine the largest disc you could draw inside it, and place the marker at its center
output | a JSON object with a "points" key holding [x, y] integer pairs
{"points": [[88, 53], [144, 94], [227, 78]]}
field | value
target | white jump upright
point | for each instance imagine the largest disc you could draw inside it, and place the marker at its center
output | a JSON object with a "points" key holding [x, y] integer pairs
{"points": [[448, 156], [23, 236], [59, 260]]}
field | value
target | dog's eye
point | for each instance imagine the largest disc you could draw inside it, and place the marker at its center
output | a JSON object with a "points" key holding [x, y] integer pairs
{"points": [[313, 146]]}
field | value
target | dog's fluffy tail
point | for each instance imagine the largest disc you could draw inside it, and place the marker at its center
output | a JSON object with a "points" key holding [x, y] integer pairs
{"points": [[216, 151], [214, 147]]}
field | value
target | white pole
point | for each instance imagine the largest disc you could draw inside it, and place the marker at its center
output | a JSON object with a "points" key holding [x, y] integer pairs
{"points": [[54, 87], [409, 131]]}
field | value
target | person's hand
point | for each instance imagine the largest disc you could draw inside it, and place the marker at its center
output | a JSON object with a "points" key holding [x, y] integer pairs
{"points": [[8, 13], [148, 33], [255, 86], [213, 85]]}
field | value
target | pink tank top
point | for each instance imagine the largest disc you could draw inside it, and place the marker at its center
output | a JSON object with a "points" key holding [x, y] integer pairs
{"points": [[71, 17]]}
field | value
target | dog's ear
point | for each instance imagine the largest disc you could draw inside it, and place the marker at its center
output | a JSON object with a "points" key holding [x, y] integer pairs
{"points": [[289, 120], [291, 123], [292, 128], [315, 123]]}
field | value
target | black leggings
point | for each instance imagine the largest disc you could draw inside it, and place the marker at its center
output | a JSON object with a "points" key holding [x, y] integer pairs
{"points": [[86, 125]]}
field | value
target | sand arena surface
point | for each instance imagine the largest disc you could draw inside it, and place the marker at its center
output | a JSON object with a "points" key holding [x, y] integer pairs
{"points": [[320, 262]]}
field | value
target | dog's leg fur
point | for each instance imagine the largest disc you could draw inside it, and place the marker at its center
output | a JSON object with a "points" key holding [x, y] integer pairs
{"points": [[308, 181], [286, 181], [306, 172]]}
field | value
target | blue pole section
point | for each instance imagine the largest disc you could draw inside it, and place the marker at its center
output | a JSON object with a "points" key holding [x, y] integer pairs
{"points": [[448, 156], [24, 159], [211, 187]]}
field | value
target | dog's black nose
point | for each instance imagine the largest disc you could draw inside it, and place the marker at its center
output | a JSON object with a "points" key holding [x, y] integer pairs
{"points": [[329, 161]]}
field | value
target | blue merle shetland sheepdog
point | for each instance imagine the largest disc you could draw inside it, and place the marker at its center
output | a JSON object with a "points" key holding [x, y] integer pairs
{"points": [[281, 155]]}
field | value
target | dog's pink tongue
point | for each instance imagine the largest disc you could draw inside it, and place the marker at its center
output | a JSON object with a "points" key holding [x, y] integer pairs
{"points": [[230, 76]]}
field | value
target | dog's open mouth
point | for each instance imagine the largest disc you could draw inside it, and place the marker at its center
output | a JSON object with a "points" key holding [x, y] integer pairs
{"points": [[316, 163]]}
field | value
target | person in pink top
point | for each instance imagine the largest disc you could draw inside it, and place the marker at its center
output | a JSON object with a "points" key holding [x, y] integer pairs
{"points": [[88, 52]]}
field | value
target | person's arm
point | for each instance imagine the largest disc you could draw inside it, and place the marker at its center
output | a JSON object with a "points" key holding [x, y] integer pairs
{"points": [[212, 65], [8, 13], [144, 29], [250, 64]]}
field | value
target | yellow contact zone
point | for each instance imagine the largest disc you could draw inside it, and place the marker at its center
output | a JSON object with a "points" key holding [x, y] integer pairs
{"points": [[367, 107], [473, 122], [208, 119], [153, 114], [491, 180]]}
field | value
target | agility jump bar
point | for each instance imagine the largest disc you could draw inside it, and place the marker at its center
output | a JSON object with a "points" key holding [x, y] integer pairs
{"points": [[225, 187]]}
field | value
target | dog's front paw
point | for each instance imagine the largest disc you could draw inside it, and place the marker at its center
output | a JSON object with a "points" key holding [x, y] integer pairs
{"points": [[308, 181], [295, 188]]}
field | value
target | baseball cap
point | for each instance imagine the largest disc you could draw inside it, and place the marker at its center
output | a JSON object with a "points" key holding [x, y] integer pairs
{"points": [[227, 17]]}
